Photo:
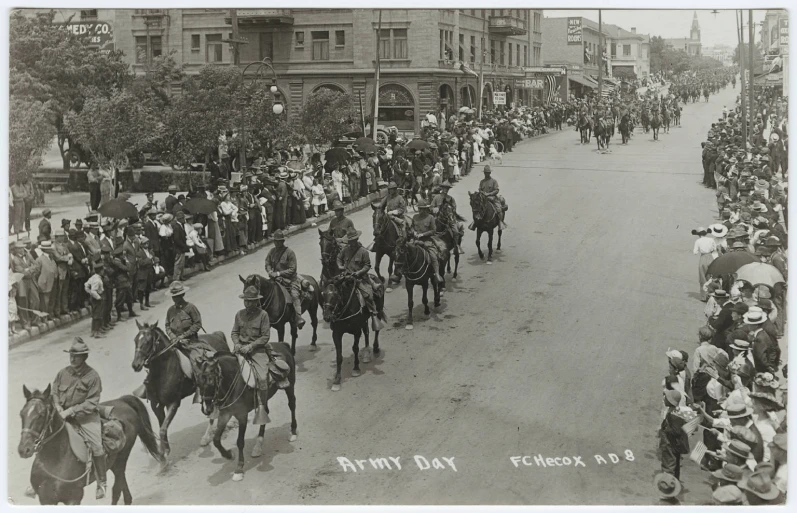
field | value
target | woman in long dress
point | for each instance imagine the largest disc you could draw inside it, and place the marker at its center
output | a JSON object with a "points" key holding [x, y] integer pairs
{"points": [[106, 187], [337, 181]]}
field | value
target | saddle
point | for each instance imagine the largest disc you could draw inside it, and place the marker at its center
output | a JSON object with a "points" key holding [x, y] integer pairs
{"points": [[306, 286], [258, 366], [113, 436]]}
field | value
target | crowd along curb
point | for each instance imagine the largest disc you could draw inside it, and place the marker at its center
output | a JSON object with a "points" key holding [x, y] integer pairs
{"points": [[63, 321]]}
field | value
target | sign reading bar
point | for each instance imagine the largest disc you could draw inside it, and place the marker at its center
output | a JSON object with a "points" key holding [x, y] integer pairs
{"points": [[783, 35], [499, 98], [574, 31], [99, 34]]}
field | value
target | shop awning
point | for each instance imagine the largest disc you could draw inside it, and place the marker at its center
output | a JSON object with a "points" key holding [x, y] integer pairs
{"points": [[584, 81], [770, 80]]}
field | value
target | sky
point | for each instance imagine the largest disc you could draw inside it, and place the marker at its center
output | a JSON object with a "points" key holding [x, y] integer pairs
{"points": [[714, 29]]}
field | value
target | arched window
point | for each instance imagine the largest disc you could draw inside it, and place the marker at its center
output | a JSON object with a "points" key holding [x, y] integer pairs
{"points": [[396, 106]]}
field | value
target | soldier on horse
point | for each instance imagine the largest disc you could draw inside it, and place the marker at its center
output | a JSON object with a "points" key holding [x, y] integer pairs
{"points": [[340, 224], [424, 225], [445, 207], [489, 187], [281, 267], [355, 261], [394, 205]]}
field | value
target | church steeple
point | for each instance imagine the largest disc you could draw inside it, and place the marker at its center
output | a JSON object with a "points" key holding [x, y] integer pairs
{"points": [[694, 33]]}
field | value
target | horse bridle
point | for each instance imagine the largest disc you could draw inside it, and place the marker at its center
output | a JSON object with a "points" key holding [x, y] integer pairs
{"points": [[406, 267], [333, 317], [41, 441], [219, 403], [157, 354], [264, 304]]}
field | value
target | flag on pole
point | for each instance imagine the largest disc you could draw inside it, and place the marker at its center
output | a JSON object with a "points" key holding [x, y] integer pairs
{"points": [[691, 426], [466, 69], [698, 452]]}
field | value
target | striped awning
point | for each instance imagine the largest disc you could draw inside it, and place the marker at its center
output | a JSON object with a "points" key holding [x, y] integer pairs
{"points": [[584, 81]]}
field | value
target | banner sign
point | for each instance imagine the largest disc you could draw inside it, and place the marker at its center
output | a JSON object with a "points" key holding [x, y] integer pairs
{"points": [[99, 34], [533, 82], [499, 98], [539, 69], [783, 35], [574, 31]]}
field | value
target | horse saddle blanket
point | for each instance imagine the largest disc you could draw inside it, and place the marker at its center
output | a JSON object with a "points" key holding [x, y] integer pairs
{"points": [[306, 286], [113, 438], [256, 368]]}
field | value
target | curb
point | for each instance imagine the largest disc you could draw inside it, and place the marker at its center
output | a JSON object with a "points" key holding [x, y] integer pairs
{"points": [[63, 321]]}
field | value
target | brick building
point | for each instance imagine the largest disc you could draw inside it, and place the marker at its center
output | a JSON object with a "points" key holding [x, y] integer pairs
{"points": [[421, 51], [574, 42]]}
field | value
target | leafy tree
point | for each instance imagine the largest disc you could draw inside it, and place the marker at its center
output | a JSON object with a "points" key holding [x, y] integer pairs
{"points": [[265, 131], [114, 128], [55, 67], [326, 115], [30, 134]]}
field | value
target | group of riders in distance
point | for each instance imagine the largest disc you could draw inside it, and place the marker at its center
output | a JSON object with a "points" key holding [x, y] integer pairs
{"points": [[70, 431]]}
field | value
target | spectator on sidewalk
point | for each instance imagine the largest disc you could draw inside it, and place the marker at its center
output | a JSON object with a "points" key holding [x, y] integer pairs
{"points": [[63, 259], [108, 278], [166, 233], [123, 284], [144, 273], [94, 288], [47, 276], [18, 201], [106, 187], [151, 228], [27, 297], [78, 271], [94, 179], [45, 229], [171, 198], [92, 240], [180, 243], [29, 197]]}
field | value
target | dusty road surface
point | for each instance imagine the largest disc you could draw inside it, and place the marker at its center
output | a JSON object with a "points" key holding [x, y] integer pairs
{"points": [[556, 350]]}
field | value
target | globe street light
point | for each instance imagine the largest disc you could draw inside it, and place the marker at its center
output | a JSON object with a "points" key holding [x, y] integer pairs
{"points": [[262, 69]]}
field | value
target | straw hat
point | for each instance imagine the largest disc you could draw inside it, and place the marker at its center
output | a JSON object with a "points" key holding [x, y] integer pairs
{"points": [[177, 289], [250, 293], [78, 347], [667, 484]]}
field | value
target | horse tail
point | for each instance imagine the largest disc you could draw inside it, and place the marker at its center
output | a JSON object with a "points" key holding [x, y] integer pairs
{"points": [[145, 432]]}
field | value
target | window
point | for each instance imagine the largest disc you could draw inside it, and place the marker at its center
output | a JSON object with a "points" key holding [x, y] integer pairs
{"points": [[393, 44], [88, 14], [400, 44], [484, 13], [503, 52], [141, 49], [510, 54], [626, 50], [492, 12], [537, 56], [340, 38], [299, 38], [525, 55], [266, 45], [472, 48], [384, 44], [446, 45], [462, 47], [492, 51], [537, 22], [517, 54], [614, 49], [473, 12], [320, 45], [213, 48]]}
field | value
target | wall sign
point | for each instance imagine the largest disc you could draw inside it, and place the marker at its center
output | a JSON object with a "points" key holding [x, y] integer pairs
{"points": [[574, 31]]}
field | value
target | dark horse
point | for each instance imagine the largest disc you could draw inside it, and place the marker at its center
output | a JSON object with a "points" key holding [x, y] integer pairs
{"points": [[625, 128], [646, 120], [385, 236], [167, 385], [585, 127], [225, 392], [329, 256], [486, 218], [452, 240], [280, 310], [665, 120], [415, 262], [57, 476], [655, 123], [603, 133], [347, 315]]}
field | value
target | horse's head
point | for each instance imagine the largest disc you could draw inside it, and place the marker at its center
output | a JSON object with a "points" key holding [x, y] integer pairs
{"points": [[36, 415], [147, 343], [209, 381], [379, 218], [332, 298], [329, 248], [250, 281], [477, 204]]}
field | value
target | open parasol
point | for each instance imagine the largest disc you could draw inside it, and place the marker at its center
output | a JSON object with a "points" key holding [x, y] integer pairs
{"points": [[418, 144], [200, 206], [119, 209], [364, 141], [729, 263], [759, 273], [336, 156]]}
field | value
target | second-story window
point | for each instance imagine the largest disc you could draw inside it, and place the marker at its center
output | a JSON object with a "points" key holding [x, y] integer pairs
{"points": [[320, 45]]}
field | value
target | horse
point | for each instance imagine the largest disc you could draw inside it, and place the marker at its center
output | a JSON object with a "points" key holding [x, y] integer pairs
{"points": [[646, 120], [677, 115], [451, 240], [486, 218], [665, 120], [167, 385], [225, 392], [280, 310], [385, 236], [602, 134], [414, 260], [329, 255], [585, 127], [344, 312], [655, 123], [57, 475], [625, 131]]}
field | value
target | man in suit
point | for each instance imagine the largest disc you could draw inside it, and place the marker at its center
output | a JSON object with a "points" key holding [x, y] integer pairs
{"points": [[79, 271], [92, 241], [151, 231], [63, 259], [47, 276], [180, 241], [45, 228], [171, 199]]}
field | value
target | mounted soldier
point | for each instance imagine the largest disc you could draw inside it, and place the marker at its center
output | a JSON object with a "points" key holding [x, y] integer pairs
{"points": [[340, 224], [76, 396], [489, 187], [354, 260], [395, 206], [250, 336], [424, 226], [445, 207], [281, 266]]}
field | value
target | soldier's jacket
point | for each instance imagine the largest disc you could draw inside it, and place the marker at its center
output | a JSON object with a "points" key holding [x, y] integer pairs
{"points": [[397, 203], [183, 320], [339, 227], [354, 259]]}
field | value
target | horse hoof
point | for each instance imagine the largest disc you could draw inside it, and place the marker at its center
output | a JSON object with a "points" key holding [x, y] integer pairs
{"points": [[313, 349], [238, 476], [388, 290], [336, 388], [205, 441], [293, 438], [257, 450], [409, 327], [365, 356], [355, 373], [489, 262]]}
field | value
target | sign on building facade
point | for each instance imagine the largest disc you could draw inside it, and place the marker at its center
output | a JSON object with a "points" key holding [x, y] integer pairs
{"points": [[574, 35], [99, 33], [783, 35], [499, 98]]}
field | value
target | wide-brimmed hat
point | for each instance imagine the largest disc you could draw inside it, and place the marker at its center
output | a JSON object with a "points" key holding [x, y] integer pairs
{"points": [[764, 304], [740, 308], [352, 234], [772, 242], [738, 448], [767, 398], [143, 240], [487, 169], [172, 188], [446, 184], [730, 472], [780, 441], [177, 289], [46, 245], [250, 293], [198, 226], [422, 203], [760, 207], [392, 185], [728, 494], [337, 205], [78, 347], [737, 410], [755, 315], [283, 175], [167, 218], [719, 230], [739, 245], [760, 484], [740, 345], [720, 294], [673, 397], [667, 485], [278, 235]]}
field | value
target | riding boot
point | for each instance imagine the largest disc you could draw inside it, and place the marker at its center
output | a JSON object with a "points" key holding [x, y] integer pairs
{"points": [[436, 269], [100, 470], [297, 307], [141, 392]]}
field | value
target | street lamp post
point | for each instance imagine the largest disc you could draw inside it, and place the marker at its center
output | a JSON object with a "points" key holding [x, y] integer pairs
{"points": [[262, 69]]}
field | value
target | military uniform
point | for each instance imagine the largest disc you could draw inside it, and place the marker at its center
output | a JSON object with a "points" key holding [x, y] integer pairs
{"points": [[447, 206], [282, 261], [489, 187], [395, 204], [185, 321], [339, 226], [425, 223], [356, 260]]}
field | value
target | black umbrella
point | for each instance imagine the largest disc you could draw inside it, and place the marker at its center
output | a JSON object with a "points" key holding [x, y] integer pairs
{"points": [[200, 206], [418, 144], [118, 209], [729, 263], [336, 156], [364, 141], [366, 147]]}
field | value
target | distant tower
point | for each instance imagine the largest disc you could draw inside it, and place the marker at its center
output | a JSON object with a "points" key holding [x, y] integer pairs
{"points": [[694, 33]]}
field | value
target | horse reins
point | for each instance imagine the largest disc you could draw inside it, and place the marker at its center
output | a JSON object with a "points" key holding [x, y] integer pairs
{"points": [[409, 274], [348, 302], [217, 401], [267, 302]]}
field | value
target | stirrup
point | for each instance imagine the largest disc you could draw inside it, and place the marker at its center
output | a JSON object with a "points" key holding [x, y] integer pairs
{"points": [[197, 398]]}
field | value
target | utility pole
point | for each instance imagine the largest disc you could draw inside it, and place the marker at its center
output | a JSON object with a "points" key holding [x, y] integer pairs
{"points": [[600, 55], [740, 34], [376, 87], [750, 65], [481, 67]]}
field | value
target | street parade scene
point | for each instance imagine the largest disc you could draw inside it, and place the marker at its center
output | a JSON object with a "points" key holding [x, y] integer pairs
{"points": [[239, 276]]}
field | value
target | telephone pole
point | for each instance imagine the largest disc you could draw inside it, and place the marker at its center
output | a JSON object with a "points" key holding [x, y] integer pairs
{"points": [[376, 90], [600, 55], [740, 35], [752, 77]]}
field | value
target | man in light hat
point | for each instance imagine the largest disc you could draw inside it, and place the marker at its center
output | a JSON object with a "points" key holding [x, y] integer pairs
{"points": [[250, 335], [354, 260], [445, 207], [395, 206], [76, 395], [489, 187], [766, 352], [281, 265], [171, 198], [340, 224], [95, 289], [48, 274], [760, 490]]}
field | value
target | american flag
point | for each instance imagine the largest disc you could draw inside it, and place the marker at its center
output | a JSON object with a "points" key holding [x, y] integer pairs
{"points": [[691, 426], [698, 452], [553, 89]]}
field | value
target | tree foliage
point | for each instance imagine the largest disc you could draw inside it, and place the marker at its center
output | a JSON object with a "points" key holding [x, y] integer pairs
{"points": [[326, 115], [30, 134], [664, 59]]}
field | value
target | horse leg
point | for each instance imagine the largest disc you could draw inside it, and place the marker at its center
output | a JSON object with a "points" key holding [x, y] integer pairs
{"points": [[337, 337], [294, 336], [479, 242], [239, 469], [280, 332], [257, 450], [456, 263], [376, 343], [171, 411], [208, 436], [409, 286], [120, 480], [437, 290], [292, 405], [378, 263], [490, 247], [224, 417], [500, 232], [355, 372], [425, 297], [313, 311]]}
